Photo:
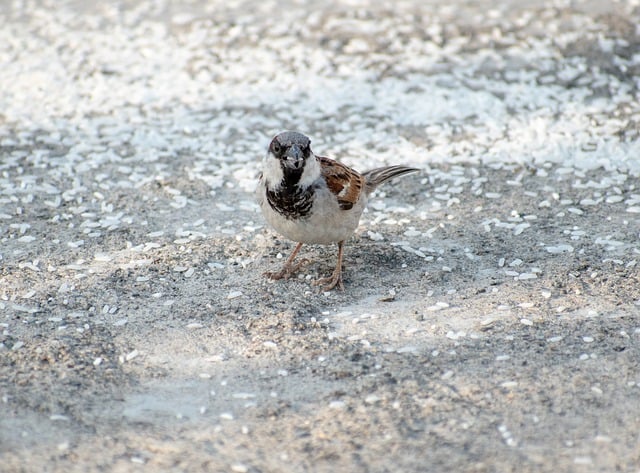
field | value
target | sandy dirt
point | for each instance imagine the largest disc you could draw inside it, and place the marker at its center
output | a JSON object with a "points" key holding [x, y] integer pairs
{"points": [[490, 320]]}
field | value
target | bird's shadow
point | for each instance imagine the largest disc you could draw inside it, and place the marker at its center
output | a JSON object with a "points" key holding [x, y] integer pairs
{"points": [[363, 260]]}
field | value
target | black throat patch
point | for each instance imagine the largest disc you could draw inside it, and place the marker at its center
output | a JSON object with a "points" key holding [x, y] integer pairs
{"points": [[291, 202]]}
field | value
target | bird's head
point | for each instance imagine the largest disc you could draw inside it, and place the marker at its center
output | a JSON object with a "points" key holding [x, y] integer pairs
{"points": [[290, 161]]}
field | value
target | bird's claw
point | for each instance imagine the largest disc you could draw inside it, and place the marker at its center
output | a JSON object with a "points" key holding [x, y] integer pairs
{"points": [[287, 271], [331, 282]]}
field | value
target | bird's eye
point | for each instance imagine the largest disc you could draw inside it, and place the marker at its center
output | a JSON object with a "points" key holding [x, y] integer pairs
{"points": [[275, 147]]}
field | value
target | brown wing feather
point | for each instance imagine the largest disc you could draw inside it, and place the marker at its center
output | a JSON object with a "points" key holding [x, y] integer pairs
{"points": [[345, 183]]}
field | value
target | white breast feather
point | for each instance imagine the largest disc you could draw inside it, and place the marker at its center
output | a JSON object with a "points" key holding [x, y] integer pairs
{"points": [[311, 172], [272, 174]]}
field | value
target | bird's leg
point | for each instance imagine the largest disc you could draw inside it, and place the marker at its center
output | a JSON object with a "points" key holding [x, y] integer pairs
{"points": [[336, 278], [289, 268]]}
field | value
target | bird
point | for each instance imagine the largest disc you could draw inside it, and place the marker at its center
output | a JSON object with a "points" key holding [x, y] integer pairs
{"points": [[314, 199]]}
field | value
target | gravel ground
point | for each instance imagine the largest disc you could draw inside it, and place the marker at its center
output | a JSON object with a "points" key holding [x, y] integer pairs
{"points": [[490, 320]]}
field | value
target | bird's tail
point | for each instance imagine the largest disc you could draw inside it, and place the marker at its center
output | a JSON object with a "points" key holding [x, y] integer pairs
{"points": [[377, 176]]}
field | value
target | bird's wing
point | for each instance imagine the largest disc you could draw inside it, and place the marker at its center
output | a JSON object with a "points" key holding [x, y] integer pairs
{"points": [[343, 182]]}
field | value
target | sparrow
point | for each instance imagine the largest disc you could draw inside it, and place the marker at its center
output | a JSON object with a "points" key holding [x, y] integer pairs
{"points": [[312, 199]]}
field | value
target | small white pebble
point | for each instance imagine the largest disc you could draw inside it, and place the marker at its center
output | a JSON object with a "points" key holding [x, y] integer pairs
{"points": [[58, 417], [371, 399], [447, 375], [456, 335], [131, 355], [407, 349], [243, 396], [102, 257], [557, 249], [582, 461], [509, 384], [438, 306], [375, 236]]}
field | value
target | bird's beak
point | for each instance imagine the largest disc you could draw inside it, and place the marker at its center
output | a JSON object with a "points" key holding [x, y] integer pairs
{"points": [[294, 157]]}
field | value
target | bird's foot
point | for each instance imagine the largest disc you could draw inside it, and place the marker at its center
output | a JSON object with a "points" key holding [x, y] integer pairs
{"points": [[331, 282], [287, 270]]}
